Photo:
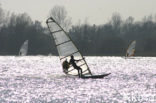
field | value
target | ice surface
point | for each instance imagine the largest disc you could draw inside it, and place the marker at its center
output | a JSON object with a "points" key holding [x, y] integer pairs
{"points": [[39, 79]]}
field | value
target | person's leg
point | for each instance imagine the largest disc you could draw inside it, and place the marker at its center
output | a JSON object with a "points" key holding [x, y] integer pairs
{"points": [[81, 71], [78, 72]]}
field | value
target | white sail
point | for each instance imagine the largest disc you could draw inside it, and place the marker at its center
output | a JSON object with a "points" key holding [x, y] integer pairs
{"points": [[131, 49], [24, 48], [66, 48]]}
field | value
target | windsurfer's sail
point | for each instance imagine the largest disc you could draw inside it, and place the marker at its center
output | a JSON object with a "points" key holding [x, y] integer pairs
{"points": [[24, 48], [66, 48], [131, 49]]}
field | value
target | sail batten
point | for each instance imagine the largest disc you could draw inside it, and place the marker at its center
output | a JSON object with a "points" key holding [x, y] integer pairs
{"points": [[71, 70], [82, 64], [66, 47], [84, 71], [56, 31], [63, 43]]}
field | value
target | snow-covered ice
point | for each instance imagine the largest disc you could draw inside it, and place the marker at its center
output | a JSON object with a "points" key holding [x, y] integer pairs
{"points": [[39, 79]]}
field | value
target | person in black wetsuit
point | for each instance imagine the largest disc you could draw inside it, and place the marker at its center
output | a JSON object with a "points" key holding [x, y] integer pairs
{"points": [[72, 62], [66, 66]]}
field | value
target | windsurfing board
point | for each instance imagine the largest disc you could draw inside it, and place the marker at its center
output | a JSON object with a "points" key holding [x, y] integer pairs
{"points": [[95, 76]]}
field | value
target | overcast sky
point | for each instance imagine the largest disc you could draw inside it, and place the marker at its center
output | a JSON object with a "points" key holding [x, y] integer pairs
{"points": [[96, 11]]}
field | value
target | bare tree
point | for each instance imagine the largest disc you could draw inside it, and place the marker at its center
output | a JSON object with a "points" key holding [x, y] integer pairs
{"points": [[129, 20], [59, 13], [1, 16], [116, 20], [155, 18]]}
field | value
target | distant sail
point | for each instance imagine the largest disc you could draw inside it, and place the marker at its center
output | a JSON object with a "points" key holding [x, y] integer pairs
{"points": [[24, 48], [66, 48], [131, 49]]}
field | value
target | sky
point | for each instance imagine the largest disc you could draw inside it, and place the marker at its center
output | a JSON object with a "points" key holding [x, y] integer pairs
{"points": [[95, 11]]}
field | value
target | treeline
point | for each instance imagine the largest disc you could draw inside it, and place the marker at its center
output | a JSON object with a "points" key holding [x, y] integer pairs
{"points": [[114, 37], [16, 28], [110, 39]]}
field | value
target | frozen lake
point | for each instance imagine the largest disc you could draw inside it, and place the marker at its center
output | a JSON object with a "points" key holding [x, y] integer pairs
{"points": [[39, 79]]}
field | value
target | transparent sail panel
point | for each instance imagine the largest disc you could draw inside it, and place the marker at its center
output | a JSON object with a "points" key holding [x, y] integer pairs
{"points": [[131, 49], [66, 48], [58, 38], [24, 49]]}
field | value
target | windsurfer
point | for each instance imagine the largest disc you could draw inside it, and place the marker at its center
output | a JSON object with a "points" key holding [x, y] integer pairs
{"points": [[127, 55], [65, 65], [72, 62]]}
